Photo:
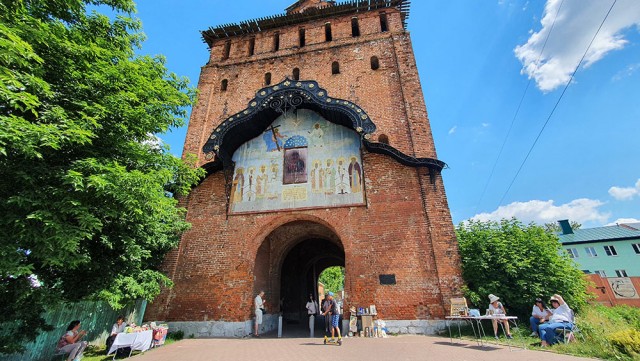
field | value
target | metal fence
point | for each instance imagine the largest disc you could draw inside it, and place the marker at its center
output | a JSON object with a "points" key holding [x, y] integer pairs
{"points": [[96, 317]]}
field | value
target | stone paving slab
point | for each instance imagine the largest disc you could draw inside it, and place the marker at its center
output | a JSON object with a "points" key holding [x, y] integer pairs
{"points": [[404, 347]]}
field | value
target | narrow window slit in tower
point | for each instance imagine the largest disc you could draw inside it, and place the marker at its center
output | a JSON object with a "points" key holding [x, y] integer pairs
{"points": [[252, 46], [355, 27], [302, 37], [384, 25], [375, 63], [227, 50]]}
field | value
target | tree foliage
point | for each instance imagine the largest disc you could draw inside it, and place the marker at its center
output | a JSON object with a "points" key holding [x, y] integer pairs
{"points": [[555, 228], [86, 191], [332, 278], [517, 263]]}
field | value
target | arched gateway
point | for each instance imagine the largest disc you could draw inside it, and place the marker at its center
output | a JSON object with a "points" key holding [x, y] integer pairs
{"points": [[340, 170], [289, 262]]}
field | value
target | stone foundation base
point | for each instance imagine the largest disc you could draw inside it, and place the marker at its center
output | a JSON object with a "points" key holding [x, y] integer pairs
{"points": [[207, 329], [415, 327]]}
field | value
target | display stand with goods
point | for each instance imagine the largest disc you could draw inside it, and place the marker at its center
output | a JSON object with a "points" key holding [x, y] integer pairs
{"points": [[353, 322], [159, 334], [363, 322]]}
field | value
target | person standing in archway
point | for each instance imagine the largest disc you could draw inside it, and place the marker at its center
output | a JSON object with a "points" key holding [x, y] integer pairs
{"points": [[334, 311], [326, 303], [259, 310], [312, 310]]}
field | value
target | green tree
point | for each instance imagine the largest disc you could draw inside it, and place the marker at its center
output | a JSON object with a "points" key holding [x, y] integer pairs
{"points": [[87, 207], [517, 263], [333, 279], [555, 228]]}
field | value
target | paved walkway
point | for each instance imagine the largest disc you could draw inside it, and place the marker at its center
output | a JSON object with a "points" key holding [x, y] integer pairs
{"points": [[398, 348]]}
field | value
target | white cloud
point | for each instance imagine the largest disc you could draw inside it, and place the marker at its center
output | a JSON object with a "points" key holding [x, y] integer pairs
{"points": [[153, 141], [623, 220], [485, 125], [574, 27], [626, 72], [453, 130], [622, 194], [625, 193], [579, 210]]}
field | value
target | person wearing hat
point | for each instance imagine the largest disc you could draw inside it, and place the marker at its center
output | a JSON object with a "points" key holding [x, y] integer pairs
{"points": [[539, 314], [334, 311], [562, 318], [496, 308]]}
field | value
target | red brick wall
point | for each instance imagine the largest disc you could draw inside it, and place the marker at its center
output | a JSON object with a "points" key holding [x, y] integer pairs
{"points": [[405, 228]]}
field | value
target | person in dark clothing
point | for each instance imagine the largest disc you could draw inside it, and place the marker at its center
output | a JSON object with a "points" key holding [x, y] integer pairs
{"points": [[326, 303], [334, 311]]}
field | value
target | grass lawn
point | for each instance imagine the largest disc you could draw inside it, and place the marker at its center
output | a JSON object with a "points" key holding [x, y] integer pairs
{"points": [[606, 333]]}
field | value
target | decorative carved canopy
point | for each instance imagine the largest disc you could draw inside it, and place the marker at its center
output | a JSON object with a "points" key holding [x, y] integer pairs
{"points": [[285, 98]]}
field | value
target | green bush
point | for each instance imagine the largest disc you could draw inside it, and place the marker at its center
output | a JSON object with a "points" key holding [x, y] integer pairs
{"points": [[518, 263], [626, 341], [176, 336]]}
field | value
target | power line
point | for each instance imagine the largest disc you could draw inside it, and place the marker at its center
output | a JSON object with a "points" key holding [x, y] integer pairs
{"points": [[517, 111], [556, 105]]}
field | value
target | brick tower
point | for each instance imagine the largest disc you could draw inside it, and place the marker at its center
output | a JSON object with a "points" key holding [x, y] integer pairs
{"points": [[314, 133]]}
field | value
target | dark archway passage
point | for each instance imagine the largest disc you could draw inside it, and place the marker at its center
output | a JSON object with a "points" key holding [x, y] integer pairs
{"points": [[288, 264], [299, 276]]}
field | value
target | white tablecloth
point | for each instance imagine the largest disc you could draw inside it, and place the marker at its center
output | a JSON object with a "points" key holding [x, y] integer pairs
{"points": [[140, 341]]}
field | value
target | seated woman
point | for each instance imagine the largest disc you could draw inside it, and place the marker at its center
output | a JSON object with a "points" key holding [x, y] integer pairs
{"points": [[561, 318], [70, 342], [117, 328], [539, 315], [496, 308]]}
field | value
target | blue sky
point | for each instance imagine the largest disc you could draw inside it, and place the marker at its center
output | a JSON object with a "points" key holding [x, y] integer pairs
{"points": [[475, 59]]}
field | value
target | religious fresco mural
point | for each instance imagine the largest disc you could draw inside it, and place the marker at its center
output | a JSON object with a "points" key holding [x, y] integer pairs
{"points": [[300, 161]]}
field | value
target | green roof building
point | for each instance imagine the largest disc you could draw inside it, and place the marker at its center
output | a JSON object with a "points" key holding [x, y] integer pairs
{"points": [[611, 251]]}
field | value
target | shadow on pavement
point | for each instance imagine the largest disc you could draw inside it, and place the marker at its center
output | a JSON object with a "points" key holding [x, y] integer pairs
{"points": [[485, 348], [473, 347], [445, 343]]}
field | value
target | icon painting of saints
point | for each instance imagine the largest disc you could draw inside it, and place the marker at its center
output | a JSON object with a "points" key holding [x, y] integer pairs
{"points": [[238, 186], [317, 177], [329, 178], [342, 180], [261, 185], [295, 169], [316, 136], [271, 138], [355, 175]]}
